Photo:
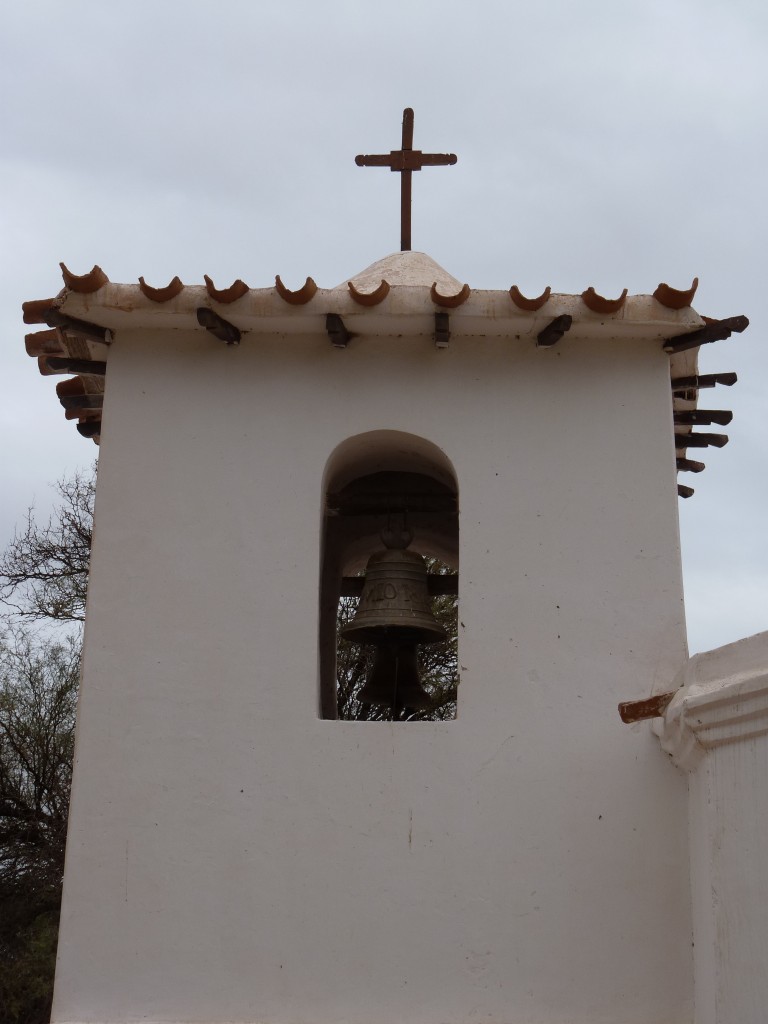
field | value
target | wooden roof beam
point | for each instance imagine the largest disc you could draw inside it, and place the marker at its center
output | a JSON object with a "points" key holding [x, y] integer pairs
{"points": [[62, 364], [706, 380], [442, 330], [554, 331], [337, 332], [705, 417], [701, 440], [92, 332], [715, 330], [218, 326], [689, 466]]}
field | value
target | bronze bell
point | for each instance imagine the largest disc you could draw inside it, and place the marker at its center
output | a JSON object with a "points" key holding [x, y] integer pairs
{"points": [[394, 615]]}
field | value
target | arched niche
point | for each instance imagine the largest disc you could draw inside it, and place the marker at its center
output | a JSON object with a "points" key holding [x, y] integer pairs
{"points": [[370, 480]]}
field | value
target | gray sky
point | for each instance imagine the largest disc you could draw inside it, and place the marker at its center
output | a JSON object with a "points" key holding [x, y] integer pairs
{"points": [[612, 143]]}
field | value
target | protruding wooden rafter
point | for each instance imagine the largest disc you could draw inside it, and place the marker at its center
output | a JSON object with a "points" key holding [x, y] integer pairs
{"points": [[337, 332], [218, 326], [50, 365], [90, 428], [704, 417], [554, 331], [82, 401], [92, 332], [651, 707], [701, 440], [714, 330], [705, 380], [689, 466], [442, 330]]}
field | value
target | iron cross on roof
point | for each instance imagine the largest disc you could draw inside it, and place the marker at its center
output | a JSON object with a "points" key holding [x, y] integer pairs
{"points": [[405, 161]]}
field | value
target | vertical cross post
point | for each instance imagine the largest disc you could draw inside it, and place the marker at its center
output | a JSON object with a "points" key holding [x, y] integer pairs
{"points": [[406, 182], [405, 161]]}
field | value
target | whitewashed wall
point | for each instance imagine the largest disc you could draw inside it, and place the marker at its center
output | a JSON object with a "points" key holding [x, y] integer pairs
{"points": [[716, 729], [232, 857]]}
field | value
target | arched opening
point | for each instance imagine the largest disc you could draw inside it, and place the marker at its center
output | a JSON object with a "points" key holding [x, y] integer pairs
{"points": [[379, 485]]}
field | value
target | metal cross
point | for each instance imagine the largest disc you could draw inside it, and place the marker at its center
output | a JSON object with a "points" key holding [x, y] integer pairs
{"points": [[405, 161]]}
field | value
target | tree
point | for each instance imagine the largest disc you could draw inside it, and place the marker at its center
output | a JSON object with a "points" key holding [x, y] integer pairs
{"points": [[43, 582], [44, 571], [38, 695]]}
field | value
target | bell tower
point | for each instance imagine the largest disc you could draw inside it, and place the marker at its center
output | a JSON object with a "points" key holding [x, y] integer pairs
{"points": [[239, 854]]}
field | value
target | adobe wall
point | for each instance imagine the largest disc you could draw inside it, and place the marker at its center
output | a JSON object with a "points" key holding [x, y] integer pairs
{"points": [[233, 857], [716, 729]]}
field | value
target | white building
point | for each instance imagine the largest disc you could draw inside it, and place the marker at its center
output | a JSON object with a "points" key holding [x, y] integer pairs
{"points": [[236, 854]]}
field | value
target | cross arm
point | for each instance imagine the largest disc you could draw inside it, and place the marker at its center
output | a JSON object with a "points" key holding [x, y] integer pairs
{"points": [[373, 160], [405, 160], [436, 159]]}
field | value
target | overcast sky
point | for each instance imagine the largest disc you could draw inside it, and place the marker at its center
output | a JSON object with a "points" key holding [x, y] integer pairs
{"points": [[612, 143]]}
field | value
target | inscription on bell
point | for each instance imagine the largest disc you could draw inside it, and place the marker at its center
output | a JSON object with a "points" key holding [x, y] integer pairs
{"points": [[383, 592], [394, 601], [387, 591]]}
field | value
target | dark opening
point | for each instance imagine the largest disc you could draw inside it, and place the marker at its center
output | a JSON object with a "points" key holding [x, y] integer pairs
{"points": [[355, 516]]}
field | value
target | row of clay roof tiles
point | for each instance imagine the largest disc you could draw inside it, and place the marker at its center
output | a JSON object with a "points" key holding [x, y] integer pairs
{"points": [[69, 347], [91, 282]]}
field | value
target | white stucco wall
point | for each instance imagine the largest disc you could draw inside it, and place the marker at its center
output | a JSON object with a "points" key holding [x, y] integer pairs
{"points": [[232, 857], [716, 729]]}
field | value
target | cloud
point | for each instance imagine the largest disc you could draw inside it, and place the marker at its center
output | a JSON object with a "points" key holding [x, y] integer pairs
{"points": [[599, 144]]}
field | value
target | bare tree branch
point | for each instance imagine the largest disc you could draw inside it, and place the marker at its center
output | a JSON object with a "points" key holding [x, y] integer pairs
{"points": [[43, 581], [44, 570]]}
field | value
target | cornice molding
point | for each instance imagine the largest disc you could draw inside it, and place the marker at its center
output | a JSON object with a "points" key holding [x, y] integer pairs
{"points": [[722, 699]]}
